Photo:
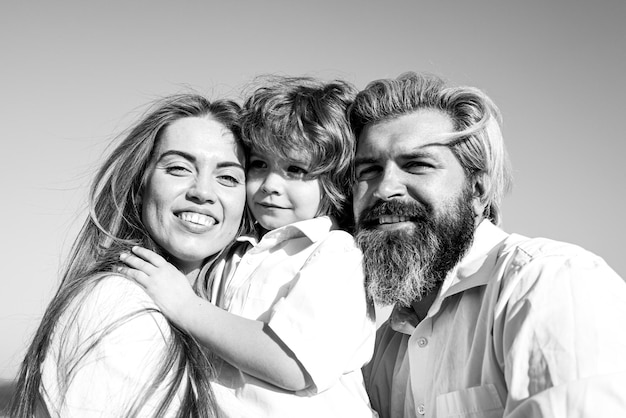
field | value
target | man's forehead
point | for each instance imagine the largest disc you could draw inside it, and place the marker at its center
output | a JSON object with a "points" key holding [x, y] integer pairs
{"points": [[412, 136]]}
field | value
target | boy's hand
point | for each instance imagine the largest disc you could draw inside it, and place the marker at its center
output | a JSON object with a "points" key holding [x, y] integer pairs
{"points": [[164, 283]]}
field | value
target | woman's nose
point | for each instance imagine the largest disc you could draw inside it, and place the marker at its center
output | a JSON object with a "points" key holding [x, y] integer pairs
{"points": [[202, 190]]}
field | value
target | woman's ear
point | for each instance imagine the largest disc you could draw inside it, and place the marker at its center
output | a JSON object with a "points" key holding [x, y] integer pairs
{"points": [[139, 199]]}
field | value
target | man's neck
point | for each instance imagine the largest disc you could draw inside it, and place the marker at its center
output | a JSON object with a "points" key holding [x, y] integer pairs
{"points": [[422, 306]]}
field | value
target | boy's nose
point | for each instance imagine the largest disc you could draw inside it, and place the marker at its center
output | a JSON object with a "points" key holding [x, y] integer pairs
{"points": [[272, 183]]}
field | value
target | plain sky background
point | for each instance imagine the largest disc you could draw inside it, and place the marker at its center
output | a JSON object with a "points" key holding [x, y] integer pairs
{"points": [[76, 73]]}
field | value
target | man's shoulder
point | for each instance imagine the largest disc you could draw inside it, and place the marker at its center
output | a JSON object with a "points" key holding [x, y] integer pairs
{"points": [[541, 263], [522, 250]]}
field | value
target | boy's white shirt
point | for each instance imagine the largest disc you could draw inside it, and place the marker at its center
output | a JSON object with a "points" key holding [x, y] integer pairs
{"points": [[305, 281]]}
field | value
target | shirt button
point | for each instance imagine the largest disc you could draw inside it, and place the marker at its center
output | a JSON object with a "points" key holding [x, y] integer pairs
{"points": [[422, 342], [421, 409]]}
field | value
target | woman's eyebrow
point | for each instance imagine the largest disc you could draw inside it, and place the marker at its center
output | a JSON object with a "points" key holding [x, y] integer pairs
{"points": [[193, 159], [183, 154], [226, 164]]}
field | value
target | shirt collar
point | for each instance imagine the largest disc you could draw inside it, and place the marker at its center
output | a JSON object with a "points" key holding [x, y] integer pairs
{"points": [[314, 229], [476, 267]]}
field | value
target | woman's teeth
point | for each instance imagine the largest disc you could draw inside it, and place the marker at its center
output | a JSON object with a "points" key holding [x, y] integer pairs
{"points": [[196, 218]]}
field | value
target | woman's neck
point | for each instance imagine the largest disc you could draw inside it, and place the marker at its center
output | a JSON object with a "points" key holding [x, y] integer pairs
{"points": [[190, 271]]}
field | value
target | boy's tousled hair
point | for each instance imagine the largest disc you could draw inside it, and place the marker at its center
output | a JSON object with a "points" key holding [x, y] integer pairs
{"points": [[294, 116]]}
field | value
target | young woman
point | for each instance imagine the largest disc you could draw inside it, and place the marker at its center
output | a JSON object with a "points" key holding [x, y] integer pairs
{"points": [[174, 184]]}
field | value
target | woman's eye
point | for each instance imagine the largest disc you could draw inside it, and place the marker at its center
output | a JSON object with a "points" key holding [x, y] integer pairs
{"points": [[177, 170], [230, 180]]}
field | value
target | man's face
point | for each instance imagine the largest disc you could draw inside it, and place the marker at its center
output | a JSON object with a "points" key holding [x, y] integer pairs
{"points": [[412, 204]]}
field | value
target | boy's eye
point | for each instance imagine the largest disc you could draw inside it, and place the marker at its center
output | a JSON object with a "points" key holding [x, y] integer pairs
{"points": [[257, 164], [295, 171]]}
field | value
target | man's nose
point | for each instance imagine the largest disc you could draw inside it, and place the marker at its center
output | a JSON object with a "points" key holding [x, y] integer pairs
{"points": [[391, 184], [202, 190]]}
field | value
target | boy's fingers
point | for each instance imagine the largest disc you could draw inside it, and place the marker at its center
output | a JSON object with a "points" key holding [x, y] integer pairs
{"points": [[136, 262], [149, 256], [136, 275]]}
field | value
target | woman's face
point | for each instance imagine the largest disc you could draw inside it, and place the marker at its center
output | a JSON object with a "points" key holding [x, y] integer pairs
{"points": [[195, 193]]}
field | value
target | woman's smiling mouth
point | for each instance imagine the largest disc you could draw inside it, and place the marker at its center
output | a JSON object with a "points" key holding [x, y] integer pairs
{"points": [[196, 218]]}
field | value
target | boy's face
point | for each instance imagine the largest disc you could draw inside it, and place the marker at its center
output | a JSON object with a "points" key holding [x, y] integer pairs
{"points": [[279, 192]]}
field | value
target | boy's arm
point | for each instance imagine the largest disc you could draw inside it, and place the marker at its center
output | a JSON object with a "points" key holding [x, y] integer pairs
{"points": [[249, 345]]}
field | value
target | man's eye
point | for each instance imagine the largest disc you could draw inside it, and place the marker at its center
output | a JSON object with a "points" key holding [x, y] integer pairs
{"points": [[367, 173], [418, 166]]}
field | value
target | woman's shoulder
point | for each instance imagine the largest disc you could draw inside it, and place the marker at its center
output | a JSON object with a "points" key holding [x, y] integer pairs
{"points": [[110, 288], [111, 298]]}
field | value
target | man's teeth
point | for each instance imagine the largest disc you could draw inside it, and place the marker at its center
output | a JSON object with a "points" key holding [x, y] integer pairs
{"points": [[392, 219], [196, 218]]}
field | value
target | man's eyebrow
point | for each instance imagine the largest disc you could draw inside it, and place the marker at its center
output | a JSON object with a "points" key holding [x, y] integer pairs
{"points": [[364, 160], [424, 150], [419, 152]]}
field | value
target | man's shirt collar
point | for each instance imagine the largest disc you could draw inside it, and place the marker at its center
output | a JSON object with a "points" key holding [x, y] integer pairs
{"points": [[477, 264]]}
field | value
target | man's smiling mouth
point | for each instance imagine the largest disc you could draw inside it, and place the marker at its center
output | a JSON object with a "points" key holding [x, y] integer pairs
{"points": [[392, 219]]}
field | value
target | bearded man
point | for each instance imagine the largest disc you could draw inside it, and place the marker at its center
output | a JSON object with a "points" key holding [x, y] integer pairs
{"points": [[485, 324]]}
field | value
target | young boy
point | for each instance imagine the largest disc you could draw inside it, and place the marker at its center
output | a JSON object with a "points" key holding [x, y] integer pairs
{"points": [[295, 326]]}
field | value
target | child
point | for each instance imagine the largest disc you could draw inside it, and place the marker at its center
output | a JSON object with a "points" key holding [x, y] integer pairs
{"points": [[295, 326]]}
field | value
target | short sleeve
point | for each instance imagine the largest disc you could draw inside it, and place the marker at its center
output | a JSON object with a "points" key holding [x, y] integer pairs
{"points": [[326, 319], [562, 339], [112, 345]]}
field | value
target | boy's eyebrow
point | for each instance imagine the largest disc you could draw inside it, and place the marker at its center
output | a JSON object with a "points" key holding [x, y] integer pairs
{"points": [[193, 159]]}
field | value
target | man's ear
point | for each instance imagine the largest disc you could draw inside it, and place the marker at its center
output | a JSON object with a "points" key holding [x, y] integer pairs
{"points": [[479, 194]]}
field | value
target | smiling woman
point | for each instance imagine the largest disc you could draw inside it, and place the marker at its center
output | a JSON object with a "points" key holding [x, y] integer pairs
{"points": [[175, 185], [194, 195]]}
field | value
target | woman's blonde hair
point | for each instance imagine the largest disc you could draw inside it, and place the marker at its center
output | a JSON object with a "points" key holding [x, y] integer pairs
{"points": [[114, 225]]}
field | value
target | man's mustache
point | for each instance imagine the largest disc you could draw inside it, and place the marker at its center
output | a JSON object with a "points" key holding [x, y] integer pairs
{"points": [[369, 216]]}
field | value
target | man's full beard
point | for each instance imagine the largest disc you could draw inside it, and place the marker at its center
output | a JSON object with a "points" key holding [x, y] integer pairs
{"points": [[401, 266]]}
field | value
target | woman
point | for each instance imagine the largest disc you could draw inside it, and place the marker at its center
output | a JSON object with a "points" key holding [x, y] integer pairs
{"points": [[175, 184]]}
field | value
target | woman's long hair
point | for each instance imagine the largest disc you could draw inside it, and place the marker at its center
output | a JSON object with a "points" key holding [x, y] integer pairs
{"points": [[114, 225]]}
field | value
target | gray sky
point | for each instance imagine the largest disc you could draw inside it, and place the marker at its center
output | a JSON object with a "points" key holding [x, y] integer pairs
{"points": [[74, 74]]}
